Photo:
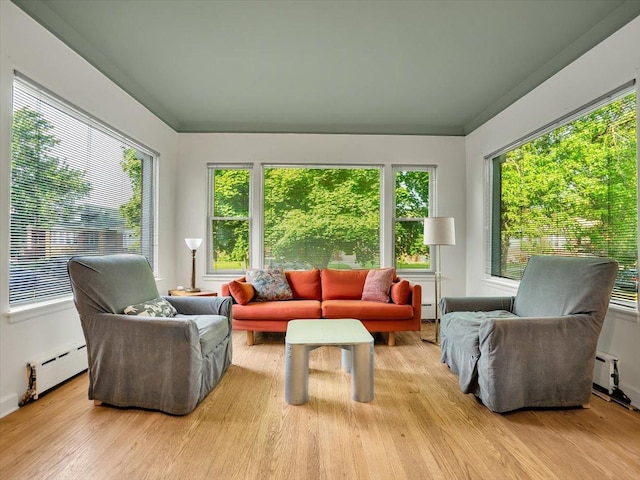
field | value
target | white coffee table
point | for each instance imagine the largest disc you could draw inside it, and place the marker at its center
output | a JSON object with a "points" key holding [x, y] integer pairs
{"points": [[357, 355]]}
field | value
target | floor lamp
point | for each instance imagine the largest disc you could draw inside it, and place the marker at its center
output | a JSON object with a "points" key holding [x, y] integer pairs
{"points": [[438, 231]]}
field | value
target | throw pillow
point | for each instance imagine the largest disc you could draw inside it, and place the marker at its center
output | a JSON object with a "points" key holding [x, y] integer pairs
{"points": [[270, 284], [377, 285], [400, 292], [241, 292], [158, 307], [305, 284]]}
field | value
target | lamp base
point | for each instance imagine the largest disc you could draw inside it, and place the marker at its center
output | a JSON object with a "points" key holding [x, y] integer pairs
{"points": [[436, 339], [192, 290]]}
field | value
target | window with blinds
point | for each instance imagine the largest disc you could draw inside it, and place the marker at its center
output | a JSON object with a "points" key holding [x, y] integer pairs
{"points": [[572, 191], [77, 187]]}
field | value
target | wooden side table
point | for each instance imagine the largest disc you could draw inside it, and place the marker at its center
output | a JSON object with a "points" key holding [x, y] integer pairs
{"points": [[184, 293]]}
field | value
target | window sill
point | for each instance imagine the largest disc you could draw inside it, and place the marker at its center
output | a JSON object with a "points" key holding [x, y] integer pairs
{"points": [[34, 310]]}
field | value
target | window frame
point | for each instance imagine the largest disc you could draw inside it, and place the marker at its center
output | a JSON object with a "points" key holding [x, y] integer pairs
{"points": [[256, 209], [431, 211]]}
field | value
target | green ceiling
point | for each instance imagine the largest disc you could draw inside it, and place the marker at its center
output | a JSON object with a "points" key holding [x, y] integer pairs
{"points": [[378, 67]]}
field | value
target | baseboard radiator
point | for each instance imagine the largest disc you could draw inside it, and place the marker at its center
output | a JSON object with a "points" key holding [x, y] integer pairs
{"points": [[46, 372], [606, 379]]}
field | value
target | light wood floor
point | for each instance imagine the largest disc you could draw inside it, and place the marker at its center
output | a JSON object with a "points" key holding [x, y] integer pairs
{"points": [[419, 426]]}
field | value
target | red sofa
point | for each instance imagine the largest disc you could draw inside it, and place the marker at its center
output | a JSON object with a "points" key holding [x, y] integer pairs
{"points": [[331, 294]]}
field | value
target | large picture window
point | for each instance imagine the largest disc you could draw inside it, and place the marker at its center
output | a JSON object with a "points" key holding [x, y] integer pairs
{"points": [[77, 187], [572, 191], [321, 217]]}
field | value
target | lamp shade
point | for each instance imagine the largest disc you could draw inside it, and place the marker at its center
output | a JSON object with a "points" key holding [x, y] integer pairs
{"points": [[439, 231], [193, 243]]}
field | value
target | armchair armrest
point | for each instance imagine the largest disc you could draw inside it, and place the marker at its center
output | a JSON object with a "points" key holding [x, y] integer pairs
{"points": [[475, 304], [201, 305], [527, 361]]}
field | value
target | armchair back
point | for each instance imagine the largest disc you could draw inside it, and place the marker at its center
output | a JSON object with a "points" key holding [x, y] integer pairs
{"points": [[108, 284], [553, 286]]}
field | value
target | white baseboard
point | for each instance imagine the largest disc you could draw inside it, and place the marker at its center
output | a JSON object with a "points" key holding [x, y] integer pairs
{"points": [[8, 404]]}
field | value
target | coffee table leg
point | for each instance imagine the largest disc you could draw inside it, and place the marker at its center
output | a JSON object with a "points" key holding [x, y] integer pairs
{"points": [[296, 377], [362, 372], [347, 357]]}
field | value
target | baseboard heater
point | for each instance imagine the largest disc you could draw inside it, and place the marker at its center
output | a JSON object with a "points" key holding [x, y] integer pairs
{"points": [[46, 372], [606, 379]]}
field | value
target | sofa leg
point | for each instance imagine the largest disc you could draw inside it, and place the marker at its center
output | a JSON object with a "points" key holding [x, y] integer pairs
{"points": [[586, 405], [250, 337], [391, 341], [97, 403]]}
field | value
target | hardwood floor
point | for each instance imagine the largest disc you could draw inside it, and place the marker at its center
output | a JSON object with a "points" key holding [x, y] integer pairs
{"points": [[419, 426]]}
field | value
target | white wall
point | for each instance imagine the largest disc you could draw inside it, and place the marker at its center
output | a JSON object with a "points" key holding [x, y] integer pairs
{"points": [[196, 150], [610, 64], [27, 47]]}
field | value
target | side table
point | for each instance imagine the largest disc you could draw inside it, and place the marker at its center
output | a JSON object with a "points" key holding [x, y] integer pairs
{"points": [[184, 293]]}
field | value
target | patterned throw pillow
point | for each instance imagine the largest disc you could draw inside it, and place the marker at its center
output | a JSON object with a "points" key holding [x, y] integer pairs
{"points": [[377, 285], [270, 284], [158, 307]]}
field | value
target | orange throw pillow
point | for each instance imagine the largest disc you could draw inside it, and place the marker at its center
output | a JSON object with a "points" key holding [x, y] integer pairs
{"points": [[241, 292], [400, 292]]}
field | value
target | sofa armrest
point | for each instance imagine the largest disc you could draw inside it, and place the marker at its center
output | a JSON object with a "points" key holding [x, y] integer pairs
{"points": [[526, 361], [149, 374], [475, 304]]}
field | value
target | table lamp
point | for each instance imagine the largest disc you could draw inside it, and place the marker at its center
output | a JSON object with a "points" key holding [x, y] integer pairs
{"points": [[438, 231], [193, 244]]}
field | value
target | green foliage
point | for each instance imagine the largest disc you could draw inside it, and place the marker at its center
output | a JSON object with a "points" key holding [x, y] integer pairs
{"points": [[131, 211], [311, 215], [574, 189], [44, 188]]}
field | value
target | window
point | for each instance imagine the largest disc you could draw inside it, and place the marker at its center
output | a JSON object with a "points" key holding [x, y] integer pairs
{"points": [[321, 217], [316, 216], [229, 217], [571, 191], [77, 187], [412, 201]]}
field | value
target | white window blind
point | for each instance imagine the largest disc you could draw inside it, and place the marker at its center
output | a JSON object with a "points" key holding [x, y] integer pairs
{"points": [[77, 187]]}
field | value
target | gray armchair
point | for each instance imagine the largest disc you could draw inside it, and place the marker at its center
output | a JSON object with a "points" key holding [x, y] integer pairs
{"points": [[536, 349], [160, 363]]}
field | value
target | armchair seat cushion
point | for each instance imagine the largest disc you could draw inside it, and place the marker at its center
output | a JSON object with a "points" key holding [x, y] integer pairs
{"points": [[212, 329]]}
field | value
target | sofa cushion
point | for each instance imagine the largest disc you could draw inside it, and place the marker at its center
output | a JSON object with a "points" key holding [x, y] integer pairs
{"points": [[270, 284], [400, 292], [363, 310], [377, 285], [342, 284], [277, 310], [305, 284], [241, 292]]}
